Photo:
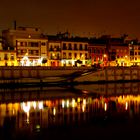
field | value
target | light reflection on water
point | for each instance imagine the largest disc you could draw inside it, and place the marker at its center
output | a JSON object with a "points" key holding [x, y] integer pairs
{"points": [[66, 109]]}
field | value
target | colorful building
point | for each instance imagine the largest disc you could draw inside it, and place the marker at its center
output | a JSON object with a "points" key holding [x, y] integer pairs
{"points": [[54, 51], [27, 46], [74, 52], [7, 55], [97, 52], [134, 53], [29, 43]]}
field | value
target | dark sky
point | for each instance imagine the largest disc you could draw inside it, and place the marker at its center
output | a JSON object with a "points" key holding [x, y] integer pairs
{"points": [[80, 17]]}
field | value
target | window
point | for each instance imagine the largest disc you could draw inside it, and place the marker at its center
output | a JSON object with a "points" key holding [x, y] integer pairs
{"points": [[31, 51], [70, 55], [24, 44], [86, 48], [33, 44], [58, 56], [75, 46], [69, 46], [75, 55], [80, 55], [80, 47], [64, 46], [51, 48], [36, 52], [12, 57], [43, 43], [64, 55], [5, 57]]}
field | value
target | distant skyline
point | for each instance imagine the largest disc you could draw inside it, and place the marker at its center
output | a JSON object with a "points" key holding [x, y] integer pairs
{"points": [[79, 17]]}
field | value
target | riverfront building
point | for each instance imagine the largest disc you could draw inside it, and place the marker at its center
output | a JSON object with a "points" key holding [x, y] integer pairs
{"points": [[134, 53], [7, 54], [98, 52], [54, 51], [27, 46], [74, 52]]}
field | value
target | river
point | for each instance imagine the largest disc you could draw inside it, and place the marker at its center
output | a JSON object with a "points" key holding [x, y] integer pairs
{"points": [[92, 111]]}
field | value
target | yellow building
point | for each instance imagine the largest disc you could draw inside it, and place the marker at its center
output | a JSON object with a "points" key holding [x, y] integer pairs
{"points": [[67, 51], [7, 56], [29, 43], [134, 54], [54, 52], [74, 52]]}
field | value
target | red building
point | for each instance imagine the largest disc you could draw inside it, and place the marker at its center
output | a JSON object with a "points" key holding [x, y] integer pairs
{"points": [[97, 52]]}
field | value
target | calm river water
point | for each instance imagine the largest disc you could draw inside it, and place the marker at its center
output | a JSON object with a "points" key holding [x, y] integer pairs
{"points": [[97, 111]]}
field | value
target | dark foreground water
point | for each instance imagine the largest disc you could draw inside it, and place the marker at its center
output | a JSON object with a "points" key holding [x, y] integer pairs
{"points": [[109, 111]]}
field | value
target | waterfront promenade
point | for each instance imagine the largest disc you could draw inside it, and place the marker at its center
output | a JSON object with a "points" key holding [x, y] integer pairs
{"points": [[68, 74], [21, 74]]}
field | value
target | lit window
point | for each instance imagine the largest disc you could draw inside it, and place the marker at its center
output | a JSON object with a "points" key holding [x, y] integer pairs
{"points": [[12, 57]]}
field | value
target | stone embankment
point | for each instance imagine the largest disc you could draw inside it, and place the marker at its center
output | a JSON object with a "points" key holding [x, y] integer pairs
{"points": [[26, 74], [68, 74], [112, 74]]}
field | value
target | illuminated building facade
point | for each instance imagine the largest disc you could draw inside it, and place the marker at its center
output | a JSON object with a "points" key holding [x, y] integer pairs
{"points": [[134, 54], [117, 51], [29, 44], [119, 55], [7, 55], [54, 51], [74, 52], [98, 54], [26, 46]]}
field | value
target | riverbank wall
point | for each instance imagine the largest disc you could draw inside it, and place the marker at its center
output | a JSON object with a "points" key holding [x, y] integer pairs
{"points": [[65, 74], [112, 74], [27, 74]]}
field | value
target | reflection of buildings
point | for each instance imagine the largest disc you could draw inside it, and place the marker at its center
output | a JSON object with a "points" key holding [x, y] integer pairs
{"points": [[113, 88], [69, 111]]}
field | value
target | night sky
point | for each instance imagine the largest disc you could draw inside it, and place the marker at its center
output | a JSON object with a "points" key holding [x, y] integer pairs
{"points": [[80, 17]]}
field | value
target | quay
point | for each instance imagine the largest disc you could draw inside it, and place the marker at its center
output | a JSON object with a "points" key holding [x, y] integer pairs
{"points": [[112, 74], [27, 74], [37, 74]]}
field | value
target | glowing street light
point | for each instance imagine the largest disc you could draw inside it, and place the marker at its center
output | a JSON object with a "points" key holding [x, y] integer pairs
{"points": [[25, 60]]}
